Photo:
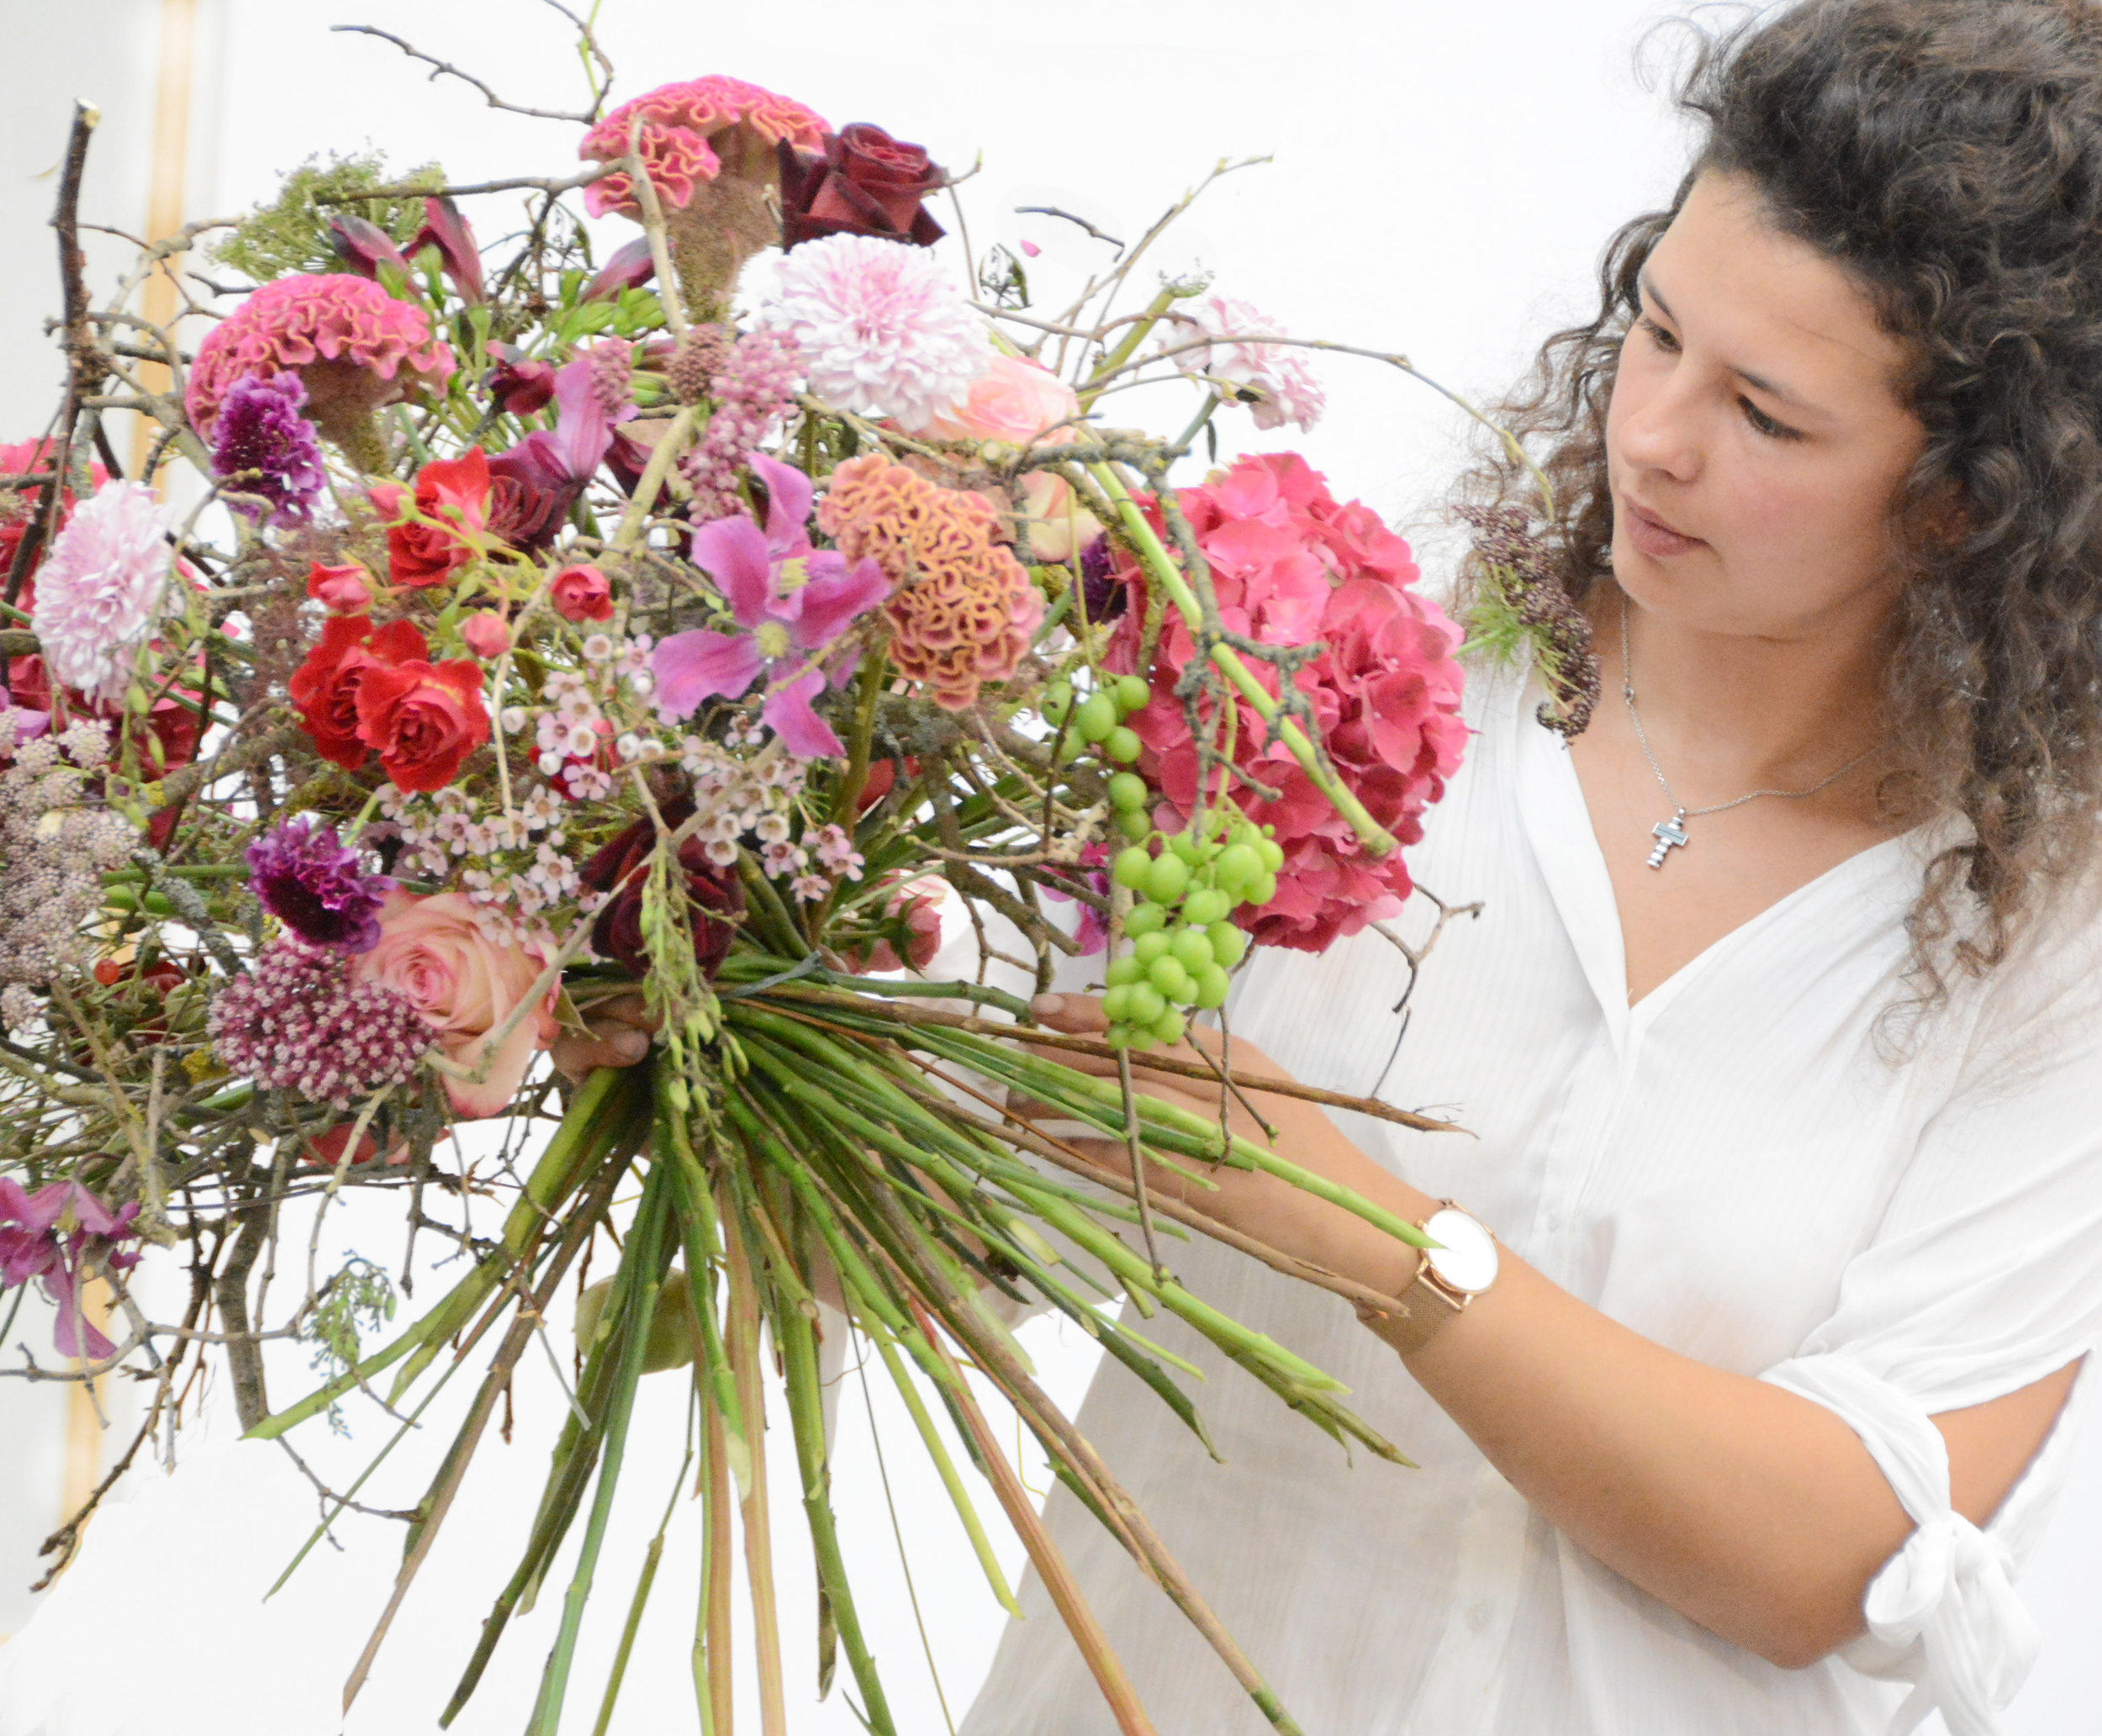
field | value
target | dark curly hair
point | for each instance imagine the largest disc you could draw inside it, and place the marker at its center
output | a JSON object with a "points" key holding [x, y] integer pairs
{"points": [[1947, 154]]}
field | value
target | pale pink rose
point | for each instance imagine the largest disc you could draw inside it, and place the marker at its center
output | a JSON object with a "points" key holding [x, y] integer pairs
{"points": [[484, 634], [1057, 526], [431, 951], [1014, 400]]}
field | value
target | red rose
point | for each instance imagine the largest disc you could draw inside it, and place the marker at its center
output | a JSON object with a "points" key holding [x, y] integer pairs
{"points": [[715, 896], [422, 719], [865, 183], [452, 494], [581, 593], [342, 590], [324, 688]]}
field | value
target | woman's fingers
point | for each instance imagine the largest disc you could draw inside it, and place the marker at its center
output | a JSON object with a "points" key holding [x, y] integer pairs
{"points": [[616, 1034], [1075, 1014]]}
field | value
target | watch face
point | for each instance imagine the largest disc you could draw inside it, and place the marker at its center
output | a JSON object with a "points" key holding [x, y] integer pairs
{"points": [[1468, 1259]]}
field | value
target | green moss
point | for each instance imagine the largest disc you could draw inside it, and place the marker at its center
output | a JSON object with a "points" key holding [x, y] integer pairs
{"points": [[290, 234]]}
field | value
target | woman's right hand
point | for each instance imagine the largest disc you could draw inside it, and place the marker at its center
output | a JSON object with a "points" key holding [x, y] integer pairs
{"points": [[616, 1033]]}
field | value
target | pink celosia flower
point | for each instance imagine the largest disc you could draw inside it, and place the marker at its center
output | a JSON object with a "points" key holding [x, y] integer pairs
{"points": [[790, 599], [682, 142], [882, 329], [1292, 566], [353, 345], [1271, 379], [99, 593]]}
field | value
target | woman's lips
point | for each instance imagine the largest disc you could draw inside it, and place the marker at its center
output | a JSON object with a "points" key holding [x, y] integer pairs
{"points": [[1654, 537]]}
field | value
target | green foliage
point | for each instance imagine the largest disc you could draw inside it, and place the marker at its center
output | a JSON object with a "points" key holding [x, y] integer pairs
{"points": [[291, 233], [359, 1298]]}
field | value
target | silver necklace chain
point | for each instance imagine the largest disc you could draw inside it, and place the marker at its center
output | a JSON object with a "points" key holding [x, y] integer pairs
{"points": [[1671, 834]]}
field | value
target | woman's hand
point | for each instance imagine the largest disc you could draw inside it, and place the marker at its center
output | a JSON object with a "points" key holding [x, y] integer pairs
{"points": [[617, 1032]]}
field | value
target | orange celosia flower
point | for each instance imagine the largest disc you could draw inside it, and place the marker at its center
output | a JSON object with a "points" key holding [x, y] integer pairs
{"points": [[963, 610]]}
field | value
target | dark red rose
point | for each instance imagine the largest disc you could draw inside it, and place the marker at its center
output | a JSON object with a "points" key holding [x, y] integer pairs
{"points": [[324, 687], [715, 896], [864, 183], [422, 719], [453, 495], [530, 493]]}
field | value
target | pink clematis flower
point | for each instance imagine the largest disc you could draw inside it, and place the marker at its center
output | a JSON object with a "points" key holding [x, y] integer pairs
{"points": [[790, 600], [45, 1235]]}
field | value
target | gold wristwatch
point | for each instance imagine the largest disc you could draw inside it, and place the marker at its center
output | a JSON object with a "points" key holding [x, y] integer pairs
{"points": [[1447, 1278]]}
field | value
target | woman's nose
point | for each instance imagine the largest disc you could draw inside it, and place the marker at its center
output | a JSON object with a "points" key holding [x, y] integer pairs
{"points": [[1659, 433]]}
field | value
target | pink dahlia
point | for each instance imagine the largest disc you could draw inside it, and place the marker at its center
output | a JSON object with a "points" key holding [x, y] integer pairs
{"points": [[1272, 379], [1292, 566], [689, 130], [99, 593], [353, 346], [882, 329]]}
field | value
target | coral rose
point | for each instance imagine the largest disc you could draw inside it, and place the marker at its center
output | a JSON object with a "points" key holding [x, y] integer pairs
{"points": [[324, 687], [581, 593], [422, 719], [453, 494], [432, 952]]}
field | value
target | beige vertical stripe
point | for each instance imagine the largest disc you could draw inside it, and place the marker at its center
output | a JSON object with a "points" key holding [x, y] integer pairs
{"points": [[83, 1427], [166, 185]]}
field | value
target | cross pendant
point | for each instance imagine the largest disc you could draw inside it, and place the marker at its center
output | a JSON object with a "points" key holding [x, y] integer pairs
{"points": [[1670, 835]]}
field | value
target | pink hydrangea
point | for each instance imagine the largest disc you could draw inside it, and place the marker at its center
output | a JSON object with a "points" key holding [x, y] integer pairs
{"points": [[682, 142], [1292, 566], [1273, 379], [354, 346]]}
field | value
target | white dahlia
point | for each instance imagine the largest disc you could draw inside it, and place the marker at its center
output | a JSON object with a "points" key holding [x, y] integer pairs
{"points": [[881, 328], [99, 591]]}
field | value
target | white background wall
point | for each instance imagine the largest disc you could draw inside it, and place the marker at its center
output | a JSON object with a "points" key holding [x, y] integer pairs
{"points": [[1444, 177]]}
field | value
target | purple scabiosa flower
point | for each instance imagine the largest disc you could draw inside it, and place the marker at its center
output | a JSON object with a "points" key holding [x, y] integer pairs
{"points": [[298, 1023], [311, 882], [46, 1235], [1101, 594], [263, 447]]}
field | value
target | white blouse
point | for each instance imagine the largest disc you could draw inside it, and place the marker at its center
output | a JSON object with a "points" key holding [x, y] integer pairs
{"points": [[1736, 1167]]}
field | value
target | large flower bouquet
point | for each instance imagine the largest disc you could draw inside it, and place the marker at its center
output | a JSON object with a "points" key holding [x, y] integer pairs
{"points": [[507, 650]]}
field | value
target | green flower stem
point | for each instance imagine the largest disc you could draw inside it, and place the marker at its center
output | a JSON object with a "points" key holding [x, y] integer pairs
{"points": [[701, 1232], [798, 1346], [1375, 838], [767, 911], [712, 1658], [637, 517], [587, 1132], [649, 1251], [758, 1531], [643, 1582], [1128, 345]]}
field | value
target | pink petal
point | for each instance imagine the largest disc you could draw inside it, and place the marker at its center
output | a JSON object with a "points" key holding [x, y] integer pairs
{"points": [[802, 732], [787, 493], [733, 552], [830, 604], [693, 667]]}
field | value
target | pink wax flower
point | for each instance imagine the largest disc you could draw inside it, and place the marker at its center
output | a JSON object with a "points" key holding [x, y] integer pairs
{"points": [[791, 601], [484, 634], [48, 1235], [581, 593], [1292, 566], [435, 955], [353, 346]]}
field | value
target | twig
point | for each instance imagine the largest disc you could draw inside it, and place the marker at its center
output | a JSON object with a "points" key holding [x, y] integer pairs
{"points": [[443, 69]]}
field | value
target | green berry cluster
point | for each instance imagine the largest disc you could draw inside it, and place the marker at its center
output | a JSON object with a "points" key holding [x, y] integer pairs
{"points": [[1097, 720], [1183, 943]]}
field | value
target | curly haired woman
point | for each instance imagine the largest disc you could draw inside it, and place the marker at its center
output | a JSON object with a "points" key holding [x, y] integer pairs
{"points": [[1781, 1031]]}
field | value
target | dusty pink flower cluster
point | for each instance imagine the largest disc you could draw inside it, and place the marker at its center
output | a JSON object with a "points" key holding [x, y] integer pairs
{"points": [[354, 346], [752, 388], [682, 142], [1292, 566], [299, 1021]]}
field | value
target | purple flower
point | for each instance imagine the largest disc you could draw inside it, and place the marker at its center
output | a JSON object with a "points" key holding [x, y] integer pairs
{"points": [[630, 268], [445, 228], [538, 480], [312, 884], [520, 384], [1091, 931], [1102, 593], [44, 1235], [263, 447], [361, 245], [791, 601]]}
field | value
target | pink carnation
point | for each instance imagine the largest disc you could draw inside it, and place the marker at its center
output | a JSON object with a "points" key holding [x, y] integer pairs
{"points": [[1292, 566], [348, 340], [682, 142]]}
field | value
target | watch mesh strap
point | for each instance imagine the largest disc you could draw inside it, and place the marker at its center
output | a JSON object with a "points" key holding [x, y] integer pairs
{"points": [[1418, 1314]]}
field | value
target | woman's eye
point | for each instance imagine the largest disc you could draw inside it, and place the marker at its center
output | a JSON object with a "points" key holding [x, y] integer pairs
{"points": [[1656, 334], [1764, 424]]}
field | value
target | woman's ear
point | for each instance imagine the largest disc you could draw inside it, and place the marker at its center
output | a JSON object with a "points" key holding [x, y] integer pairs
{"points": [[1943, 516]]}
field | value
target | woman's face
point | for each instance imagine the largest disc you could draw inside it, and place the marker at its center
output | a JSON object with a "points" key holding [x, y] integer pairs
{"points": [[1755, 436]]}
